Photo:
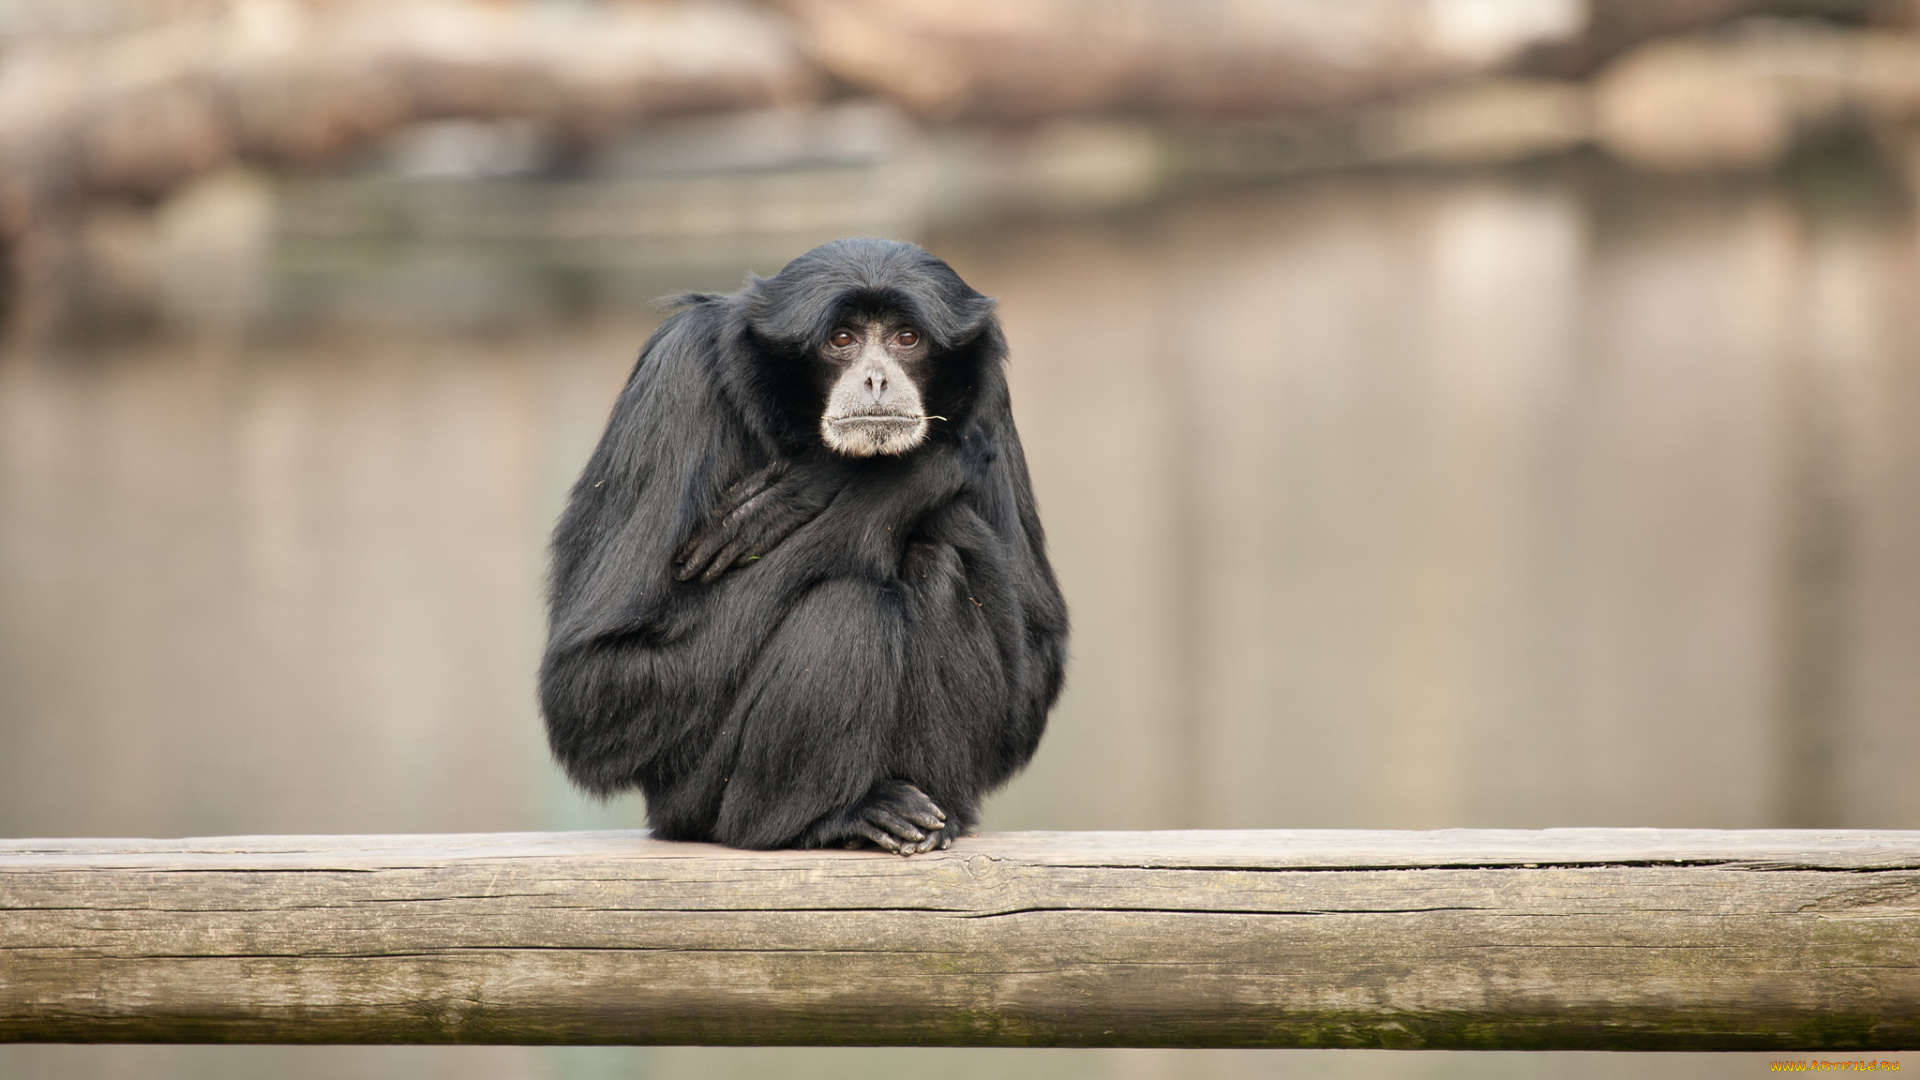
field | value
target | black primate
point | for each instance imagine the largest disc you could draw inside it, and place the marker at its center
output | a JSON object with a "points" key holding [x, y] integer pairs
{"points": [[800, 595]]}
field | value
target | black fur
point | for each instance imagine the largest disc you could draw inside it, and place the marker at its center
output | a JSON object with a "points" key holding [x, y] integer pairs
{"points": [[872, 623]]}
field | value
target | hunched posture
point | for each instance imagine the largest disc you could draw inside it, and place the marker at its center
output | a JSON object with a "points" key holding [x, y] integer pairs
{"points": [[800, 595]]}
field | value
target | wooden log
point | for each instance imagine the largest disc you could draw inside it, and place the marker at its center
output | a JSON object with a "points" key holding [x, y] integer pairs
{"points": [[1617, 939]]}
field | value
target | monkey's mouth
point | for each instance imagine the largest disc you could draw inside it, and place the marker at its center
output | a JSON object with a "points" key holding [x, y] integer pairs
{"points": [[874, 433]]}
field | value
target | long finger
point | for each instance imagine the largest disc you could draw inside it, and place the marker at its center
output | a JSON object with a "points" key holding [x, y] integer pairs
{"points": [[699, 552], [723, 561]]}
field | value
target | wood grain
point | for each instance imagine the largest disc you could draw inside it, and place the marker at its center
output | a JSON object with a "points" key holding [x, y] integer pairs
{"points": [[1470, 939]]}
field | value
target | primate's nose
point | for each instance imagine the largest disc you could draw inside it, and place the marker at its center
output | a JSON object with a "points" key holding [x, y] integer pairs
{"points": [[876, 383]]}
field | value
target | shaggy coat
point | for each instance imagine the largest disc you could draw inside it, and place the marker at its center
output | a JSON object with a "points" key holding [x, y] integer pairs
{"points": [[896, 620]]}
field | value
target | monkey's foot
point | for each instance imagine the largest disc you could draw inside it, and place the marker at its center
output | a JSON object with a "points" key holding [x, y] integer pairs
{"points": [[896, 817]]}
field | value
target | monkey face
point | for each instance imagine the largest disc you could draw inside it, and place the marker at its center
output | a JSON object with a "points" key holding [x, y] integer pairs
{"points": [[876, 404]]}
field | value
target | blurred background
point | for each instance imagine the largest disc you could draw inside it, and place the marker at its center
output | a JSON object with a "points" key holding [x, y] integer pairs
{"points": [[1444, 412]]}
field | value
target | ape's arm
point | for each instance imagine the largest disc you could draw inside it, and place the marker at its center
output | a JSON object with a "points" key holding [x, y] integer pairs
{"points": [[866, 511], [666, 455], [669, 449], [1036, 666]]}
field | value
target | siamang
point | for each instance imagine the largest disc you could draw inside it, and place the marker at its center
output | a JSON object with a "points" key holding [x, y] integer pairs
{"points": [[800, 596]]}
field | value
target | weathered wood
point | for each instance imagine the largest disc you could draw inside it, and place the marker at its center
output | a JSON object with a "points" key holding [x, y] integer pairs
{"points": [[1563, 939]]}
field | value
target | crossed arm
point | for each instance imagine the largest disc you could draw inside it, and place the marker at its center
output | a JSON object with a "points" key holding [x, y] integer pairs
{"points": [[758, 512], [876, 499]]}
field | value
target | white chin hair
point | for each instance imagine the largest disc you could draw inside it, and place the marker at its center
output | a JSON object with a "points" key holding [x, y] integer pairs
{"points": [[871, 436]]}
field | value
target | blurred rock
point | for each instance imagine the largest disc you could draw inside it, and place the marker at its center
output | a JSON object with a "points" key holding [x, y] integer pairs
{"points": [[1479, 122], [1615, 26], [470, 149], [1906, 153], [111, 264], [626, 133], [846, 133], [1081, 165], [765, 177], [1743, 99], [213, 239], [197, 258], [155, 140], [285, 82], [1020, 59], [136, 97], [1491, 121], [40, 19]]}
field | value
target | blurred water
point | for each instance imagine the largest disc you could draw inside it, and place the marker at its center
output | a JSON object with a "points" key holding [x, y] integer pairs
{"points": [[1520, 499]]}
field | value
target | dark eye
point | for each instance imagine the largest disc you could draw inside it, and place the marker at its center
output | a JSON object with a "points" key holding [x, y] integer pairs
{"points": [[841, 339], [908, 337]]}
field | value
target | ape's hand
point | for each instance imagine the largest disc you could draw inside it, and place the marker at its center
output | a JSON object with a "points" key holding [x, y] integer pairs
{"points": [[758, 513]]}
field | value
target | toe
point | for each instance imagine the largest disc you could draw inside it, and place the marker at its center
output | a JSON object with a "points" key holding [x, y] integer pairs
{"points": [[914, 805], [880, 837], [894, 823]]}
